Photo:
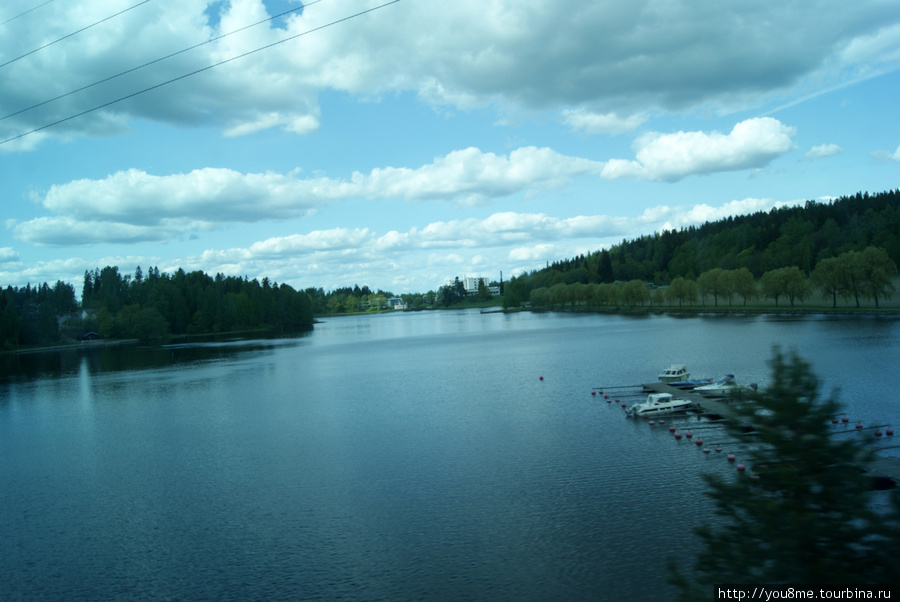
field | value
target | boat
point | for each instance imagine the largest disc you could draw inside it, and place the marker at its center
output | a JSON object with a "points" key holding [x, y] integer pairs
{"points": [[687, 385], [674, 373], [725, 387], [659, 403]]}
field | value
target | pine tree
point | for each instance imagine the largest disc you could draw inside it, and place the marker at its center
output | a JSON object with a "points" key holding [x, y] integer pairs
{"points": [[804, 516]]}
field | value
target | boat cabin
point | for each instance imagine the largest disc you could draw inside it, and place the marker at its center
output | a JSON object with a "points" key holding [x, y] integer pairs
{"points": [[674, 373]]}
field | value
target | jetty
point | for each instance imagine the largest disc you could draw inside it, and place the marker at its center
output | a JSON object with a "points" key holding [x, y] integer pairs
{"points": [[885, 470], [711, 408]]}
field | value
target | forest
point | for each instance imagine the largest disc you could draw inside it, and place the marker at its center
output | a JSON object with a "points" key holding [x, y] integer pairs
{"points": [[847, 248], [149, 307]]}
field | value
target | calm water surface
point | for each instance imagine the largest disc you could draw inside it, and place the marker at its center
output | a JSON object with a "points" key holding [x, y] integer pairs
{"points": [[393, 457]]}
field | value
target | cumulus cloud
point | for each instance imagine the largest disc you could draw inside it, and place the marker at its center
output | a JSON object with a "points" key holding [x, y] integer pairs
{"points": [[8, 254], [618, 59], [582, 120], [821, 151], [134, 206], [750, 144]]}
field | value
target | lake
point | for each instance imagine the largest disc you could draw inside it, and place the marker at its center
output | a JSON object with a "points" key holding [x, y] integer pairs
{"points": [[432, 455]]}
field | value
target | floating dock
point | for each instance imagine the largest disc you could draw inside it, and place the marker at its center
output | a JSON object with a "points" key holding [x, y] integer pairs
{"points": [[880, 468], [707, 406]]}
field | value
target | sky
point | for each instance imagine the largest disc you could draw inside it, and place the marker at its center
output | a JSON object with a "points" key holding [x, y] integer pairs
{"points": [[401, 144]]}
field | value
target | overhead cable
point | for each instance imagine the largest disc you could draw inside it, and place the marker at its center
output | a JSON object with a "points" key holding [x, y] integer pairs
{"points": [[26, 12], [153, 62], [207, 68], [67, 36]]}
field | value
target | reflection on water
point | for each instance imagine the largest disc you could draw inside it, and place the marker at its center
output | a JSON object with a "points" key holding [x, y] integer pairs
{"points": [[409, 456]]}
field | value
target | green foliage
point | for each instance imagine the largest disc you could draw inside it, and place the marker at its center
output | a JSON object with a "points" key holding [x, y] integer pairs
{"points": [[160, 305], [30, 315], [745, 247], [804, 515], [776, 254]]}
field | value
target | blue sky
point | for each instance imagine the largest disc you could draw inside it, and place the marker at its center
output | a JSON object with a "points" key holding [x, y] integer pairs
{"points": [[424, 140]]}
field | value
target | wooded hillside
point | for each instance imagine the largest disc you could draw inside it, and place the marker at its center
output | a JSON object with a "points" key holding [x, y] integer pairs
{"points": [[799, 237]]}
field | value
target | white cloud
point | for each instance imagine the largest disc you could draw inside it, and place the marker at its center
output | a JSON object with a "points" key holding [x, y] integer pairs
{"points": [[582, 120], [471, 177], [618, 59], [338, 239], [821, 151], [136, 206], [669, 157], [883, 155], [8, 255]]}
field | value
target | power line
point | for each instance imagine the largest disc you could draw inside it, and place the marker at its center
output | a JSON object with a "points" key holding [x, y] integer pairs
{"points": [[26, 12], [207, 68], [73, 33], [153, 62]]}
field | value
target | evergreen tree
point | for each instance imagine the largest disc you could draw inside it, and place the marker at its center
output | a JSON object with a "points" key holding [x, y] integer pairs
{"points": [[804, 517]]}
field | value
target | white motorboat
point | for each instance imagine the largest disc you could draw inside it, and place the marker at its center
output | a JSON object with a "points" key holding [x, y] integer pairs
{"points": [[659, 403], [725, 387], [674, 373]]}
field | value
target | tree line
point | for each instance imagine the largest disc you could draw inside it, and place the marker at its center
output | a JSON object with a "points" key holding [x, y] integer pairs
{"points": [[851, 276], [348, 300], [31, 315], [159, 304], [801, 237], [149, 307]]}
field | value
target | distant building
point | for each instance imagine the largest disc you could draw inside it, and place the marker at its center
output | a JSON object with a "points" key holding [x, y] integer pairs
{"points": [[396, 303]]}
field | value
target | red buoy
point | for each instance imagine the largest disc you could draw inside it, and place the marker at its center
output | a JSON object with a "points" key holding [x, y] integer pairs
{"points": [[845, 419], [834, 421], [678, 436], [706, 450], [593, 392], [699, 442], [689, 435], [878, 433], [718, 450], [731, 457], [889, 432], [741, 467], [859, 425], [671, 429], [652, 422], [540, 378]]}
